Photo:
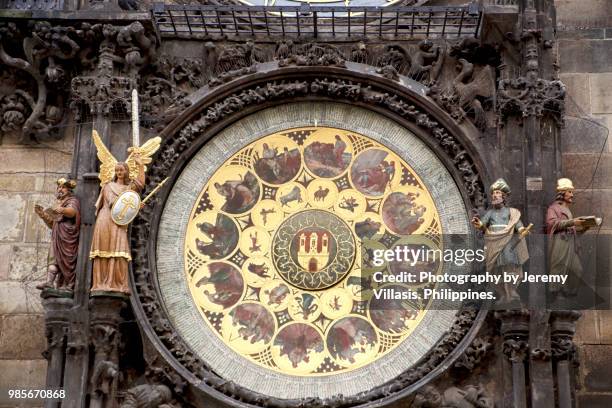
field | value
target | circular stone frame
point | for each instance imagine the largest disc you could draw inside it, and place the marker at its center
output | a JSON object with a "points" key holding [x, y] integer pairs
{"points": [[216, 109]]}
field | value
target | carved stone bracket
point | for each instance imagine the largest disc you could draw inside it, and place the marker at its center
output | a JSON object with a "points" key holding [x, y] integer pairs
{"points": [[525, 98], [563, 328], [470, 396], [475, 353], [257, 95], [515, 350], [515, 332]]}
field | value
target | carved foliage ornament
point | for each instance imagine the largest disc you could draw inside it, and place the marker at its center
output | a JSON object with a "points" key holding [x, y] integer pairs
{"points": [[124, 49], [38, 60], [523, 97], [271, 91]]}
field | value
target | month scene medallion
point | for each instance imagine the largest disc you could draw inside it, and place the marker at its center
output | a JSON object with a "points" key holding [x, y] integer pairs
{"points": [[273, 249]]}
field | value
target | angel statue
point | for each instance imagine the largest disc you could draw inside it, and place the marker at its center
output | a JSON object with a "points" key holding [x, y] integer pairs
{"points": [[110, 248]]}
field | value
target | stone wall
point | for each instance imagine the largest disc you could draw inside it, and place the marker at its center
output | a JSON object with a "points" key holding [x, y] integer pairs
{"points": [[27, 176], [585, 51]]}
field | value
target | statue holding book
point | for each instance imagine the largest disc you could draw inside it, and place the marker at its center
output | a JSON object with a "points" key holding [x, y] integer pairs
{"points": [[64, 219], [562, 229]]}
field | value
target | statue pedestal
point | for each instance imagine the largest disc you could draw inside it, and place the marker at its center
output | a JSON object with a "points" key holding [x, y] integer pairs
{"points": [[57, 305], [105, 311]]}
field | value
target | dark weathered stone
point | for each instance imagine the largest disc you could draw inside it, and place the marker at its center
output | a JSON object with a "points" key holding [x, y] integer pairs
{"points": [[598, 368], [585, 55], [594, 202], [583, 135], [595, 401], [22, 336], [588, 170], [591, 33]]}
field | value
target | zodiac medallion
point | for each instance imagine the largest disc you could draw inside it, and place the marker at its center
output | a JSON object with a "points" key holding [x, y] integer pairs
{"points": [[273, 249]]}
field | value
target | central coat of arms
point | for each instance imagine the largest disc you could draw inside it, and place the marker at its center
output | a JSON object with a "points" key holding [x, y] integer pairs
{"points": [[313, 249]]}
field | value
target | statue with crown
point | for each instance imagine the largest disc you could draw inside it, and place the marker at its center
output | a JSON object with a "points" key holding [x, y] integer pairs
{"points": [[117, 206]]}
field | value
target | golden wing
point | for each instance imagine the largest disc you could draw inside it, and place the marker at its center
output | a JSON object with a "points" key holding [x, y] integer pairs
{"points": [[107, 160], [147, 150]]}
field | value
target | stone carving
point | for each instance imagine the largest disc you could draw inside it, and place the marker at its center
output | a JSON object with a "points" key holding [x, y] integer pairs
{"points": [[64, 219], [475, 353], [426, 63], [124, 49], [562, 334], [359, 53], [468, 93], [105, 375], [515, 349], [540, 354], [33, 98], [235, 57], [530, 95], [521, 97], [393, 61], [470, 396], [56, 336], [33, 5], [149, 396], [105, 337], [165, 87], [34, 85], [284, 49], [311, 54]]}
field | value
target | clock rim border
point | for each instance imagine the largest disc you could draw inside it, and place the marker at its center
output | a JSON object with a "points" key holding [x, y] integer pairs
{"points": [[359, 74]]}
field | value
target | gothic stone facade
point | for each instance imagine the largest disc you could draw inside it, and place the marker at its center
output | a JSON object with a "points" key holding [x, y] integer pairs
{"points": [[538, 71]]}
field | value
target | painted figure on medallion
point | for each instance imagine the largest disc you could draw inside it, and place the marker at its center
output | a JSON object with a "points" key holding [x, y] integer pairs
{"points": [[562, 229], [64, 219], [117, 203], [505, 247]]}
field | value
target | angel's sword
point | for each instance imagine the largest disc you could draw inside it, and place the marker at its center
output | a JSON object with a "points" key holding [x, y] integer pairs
{"points": [[135, 121]]}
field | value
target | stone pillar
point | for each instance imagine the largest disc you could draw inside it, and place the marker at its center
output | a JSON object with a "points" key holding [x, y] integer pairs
{"points": [[105, 339], [94, 94], [57, 312], [515, 333], [563, 328], [539, 103]]}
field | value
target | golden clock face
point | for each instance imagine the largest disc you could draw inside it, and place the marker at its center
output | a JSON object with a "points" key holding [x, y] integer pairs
{"points": [[273, 249]]}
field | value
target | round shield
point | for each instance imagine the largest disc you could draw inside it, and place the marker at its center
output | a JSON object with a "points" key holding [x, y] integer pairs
{"points": [[125, 208]]}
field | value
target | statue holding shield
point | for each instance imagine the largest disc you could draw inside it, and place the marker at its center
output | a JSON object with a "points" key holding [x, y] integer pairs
{"points": [[117, 205]]}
